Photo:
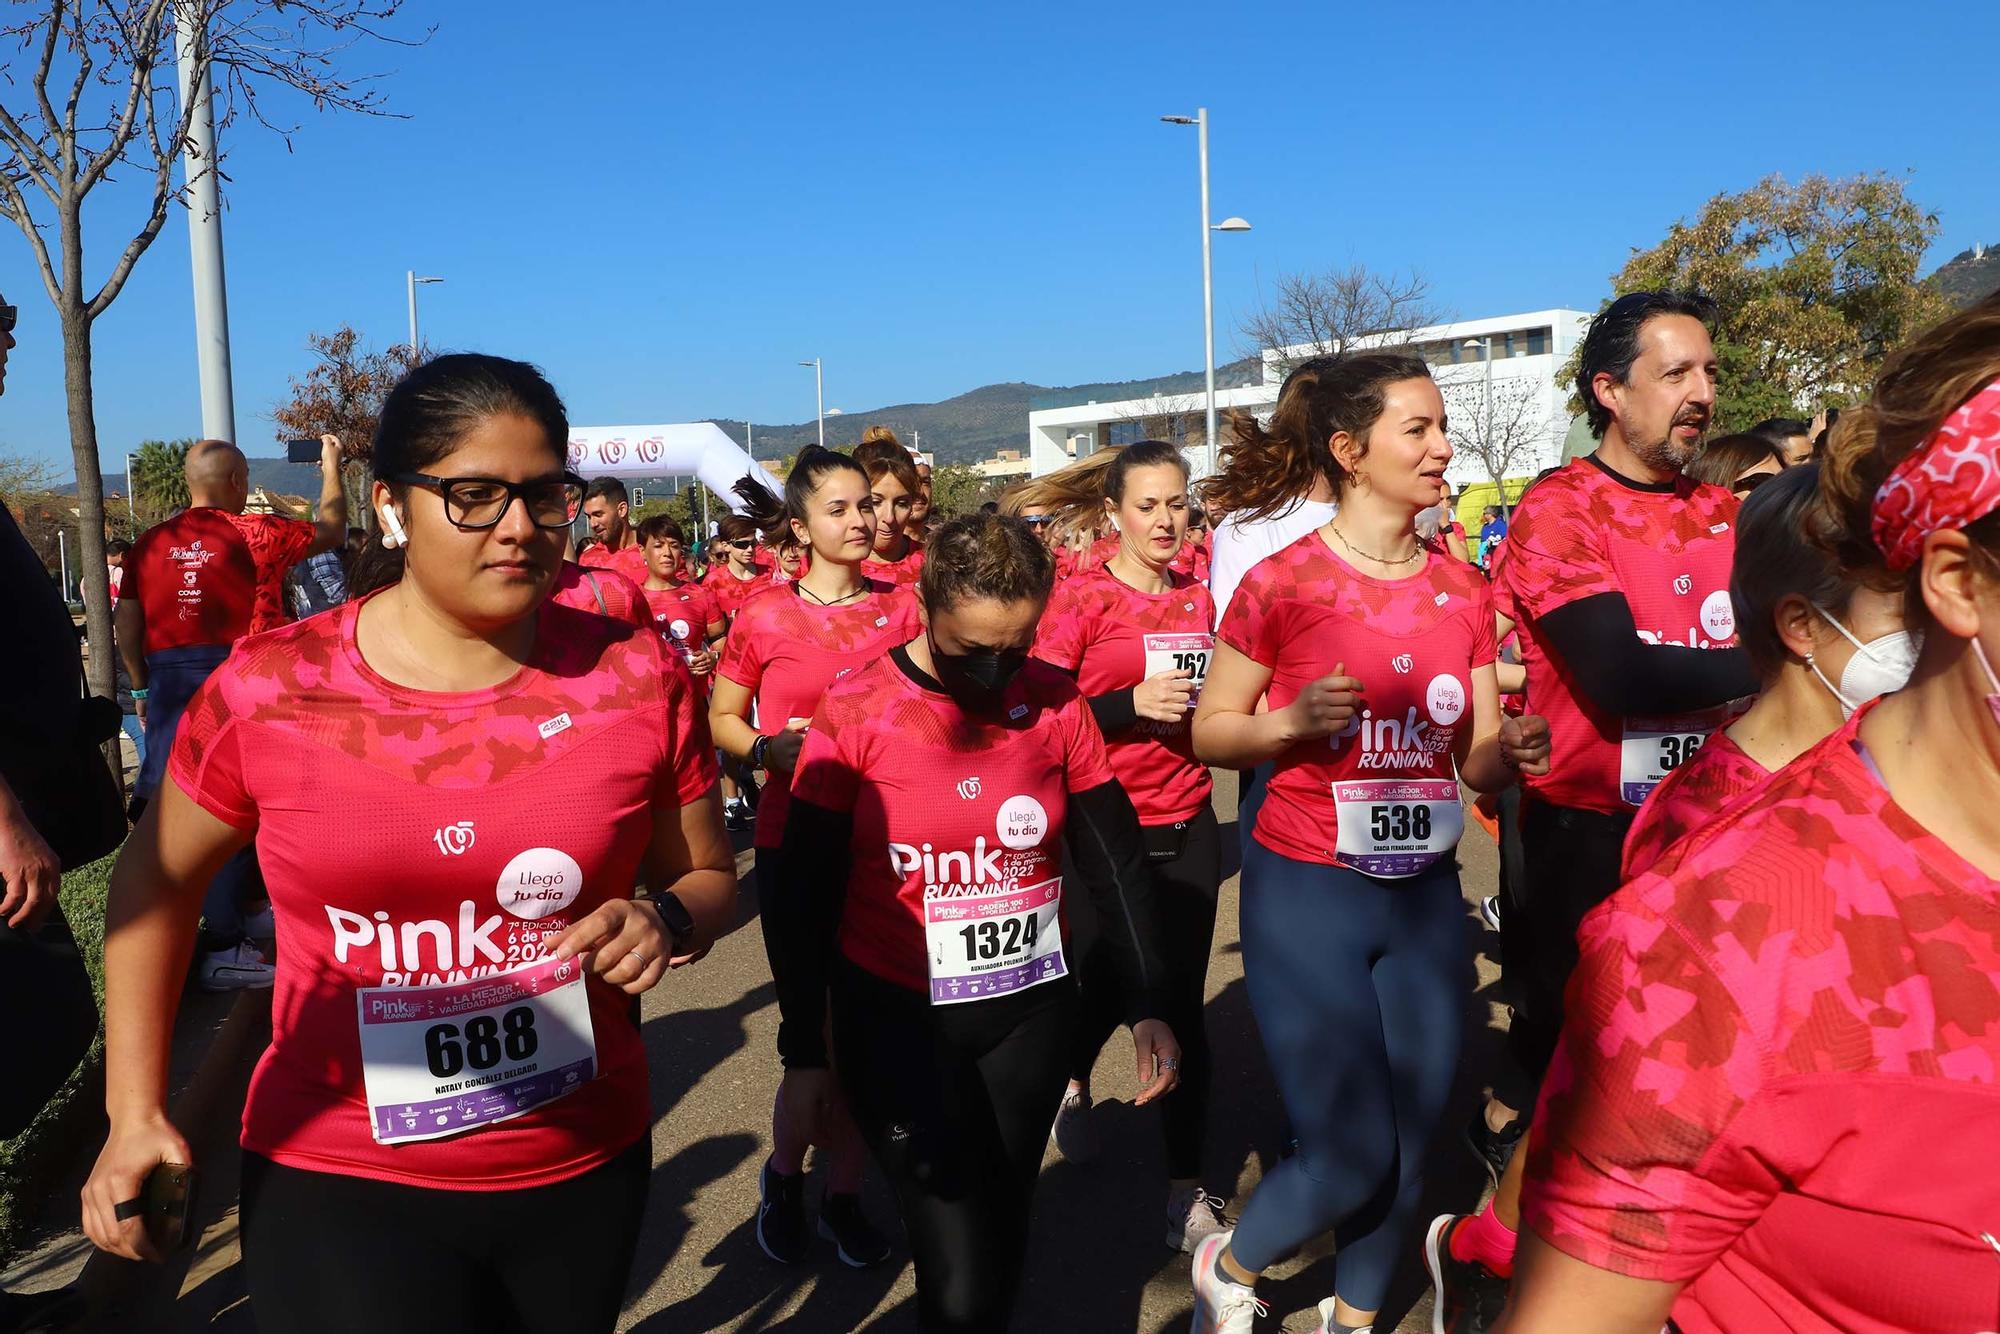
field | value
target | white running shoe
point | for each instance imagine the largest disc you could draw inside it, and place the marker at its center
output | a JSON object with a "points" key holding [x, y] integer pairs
{"points": [[1326, 1319], [1221, 1307], [1192, 1215], [261, 925], [238, 968], [1073, 1132]]}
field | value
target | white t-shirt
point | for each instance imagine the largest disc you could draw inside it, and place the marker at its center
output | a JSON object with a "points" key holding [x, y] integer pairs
{"points": [[1239, 546]]}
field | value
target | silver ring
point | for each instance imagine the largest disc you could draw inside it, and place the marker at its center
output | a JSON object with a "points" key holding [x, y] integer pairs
{"points": [[635, 954], [1170, 1063]]}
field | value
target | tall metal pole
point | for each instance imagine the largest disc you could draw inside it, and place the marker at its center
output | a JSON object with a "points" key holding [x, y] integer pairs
{"points": [[750, 440], [1207, 289], [819, 391], [211, 299], [62, 558], [411, 277]]}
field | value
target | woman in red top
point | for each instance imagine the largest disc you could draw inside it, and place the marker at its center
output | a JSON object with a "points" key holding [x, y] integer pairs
{"points": [[923, 883], [1376, 655], [1138, 637], [892, 485], [789, 643], [455, 1079], [1824, 643], [1774, 1098]]}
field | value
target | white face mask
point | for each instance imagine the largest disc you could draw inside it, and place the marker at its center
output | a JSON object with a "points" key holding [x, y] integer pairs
{"points": [[1879, 667]]}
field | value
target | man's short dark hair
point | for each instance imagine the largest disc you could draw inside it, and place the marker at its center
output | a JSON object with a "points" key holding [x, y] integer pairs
{"points": [[117, 546], [1612, 343], [660, 528], [1781, 431], [607, 488]]}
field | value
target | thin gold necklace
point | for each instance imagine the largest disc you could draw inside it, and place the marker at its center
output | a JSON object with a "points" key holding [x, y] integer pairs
{"points": [[1379, 560]]}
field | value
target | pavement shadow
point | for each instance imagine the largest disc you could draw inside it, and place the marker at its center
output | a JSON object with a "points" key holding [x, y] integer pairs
{"points": [[735, 1285], [683, 1045]]}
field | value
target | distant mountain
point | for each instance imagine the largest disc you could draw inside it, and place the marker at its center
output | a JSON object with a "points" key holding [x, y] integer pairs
{"points": [[977, 423], [1968, 275], [971, 426]]}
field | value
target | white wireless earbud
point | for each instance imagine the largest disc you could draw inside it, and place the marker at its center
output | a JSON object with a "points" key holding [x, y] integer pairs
{"points": [[395, 536]]}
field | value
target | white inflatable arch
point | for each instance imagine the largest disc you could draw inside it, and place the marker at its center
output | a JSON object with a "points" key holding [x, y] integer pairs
{"points": [[701, 448]]}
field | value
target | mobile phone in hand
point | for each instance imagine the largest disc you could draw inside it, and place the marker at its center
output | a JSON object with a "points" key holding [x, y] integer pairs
{"points": [[302, 451], [170, 1206]]}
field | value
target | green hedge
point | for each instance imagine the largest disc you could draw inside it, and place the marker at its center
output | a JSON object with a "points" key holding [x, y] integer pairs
{"points": [[33, 1162]]}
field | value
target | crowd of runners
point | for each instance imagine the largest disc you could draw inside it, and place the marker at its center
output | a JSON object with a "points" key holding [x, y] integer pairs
{"points": [[1733, 710]]}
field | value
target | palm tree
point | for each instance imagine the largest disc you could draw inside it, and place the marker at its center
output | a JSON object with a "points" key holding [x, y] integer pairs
{"points": [[159, 479]]}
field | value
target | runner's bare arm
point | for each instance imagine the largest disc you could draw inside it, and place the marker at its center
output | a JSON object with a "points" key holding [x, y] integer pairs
{"points": [[1230, 727], [690, 858], [330, 520], [1498, 749], [729, 717], [1554, 1293], [151, 912]]}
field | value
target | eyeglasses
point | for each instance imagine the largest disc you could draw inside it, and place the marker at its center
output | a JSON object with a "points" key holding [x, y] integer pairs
{"points": [[1036, 520], [8, 314], [481, 502], [739, 543], [1743, 486]]}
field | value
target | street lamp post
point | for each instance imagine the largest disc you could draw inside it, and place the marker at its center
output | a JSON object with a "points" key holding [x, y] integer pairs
{"points": [[414, 283], [1200, 121], [819, 390]]}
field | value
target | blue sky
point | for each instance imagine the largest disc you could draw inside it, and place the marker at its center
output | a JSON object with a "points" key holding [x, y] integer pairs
{"points": [[668, 206]]}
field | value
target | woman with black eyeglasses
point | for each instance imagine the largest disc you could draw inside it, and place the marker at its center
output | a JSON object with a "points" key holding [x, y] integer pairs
{"points": [[455, 1079]]}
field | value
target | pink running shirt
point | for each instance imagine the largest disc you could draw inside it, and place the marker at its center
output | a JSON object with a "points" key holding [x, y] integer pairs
{"points": [[392, 827], [209, 577], [1688, 798], [601, 591], [786, 651], [1413, 643], [1666, 550], [1112, 637], [944, 805], [1781, 1073]]}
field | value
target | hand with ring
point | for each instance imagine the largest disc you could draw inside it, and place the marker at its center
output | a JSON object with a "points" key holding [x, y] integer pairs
{"points": [[625, 943]]}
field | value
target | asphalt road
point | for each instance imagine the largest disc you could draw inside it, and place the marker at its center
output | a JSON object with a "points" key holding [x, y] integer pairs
{"points": [[1096, 1262]]}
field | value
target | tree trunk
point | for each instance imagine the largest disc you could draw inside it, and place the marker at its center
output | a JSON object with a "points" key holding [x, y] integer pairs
{"points": [[94, 575]]}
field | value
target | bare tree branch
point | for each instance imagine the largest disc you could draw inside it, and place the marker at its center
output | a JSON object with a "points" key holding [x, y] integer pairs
{"points": [[17, 209], [1313, 314]]}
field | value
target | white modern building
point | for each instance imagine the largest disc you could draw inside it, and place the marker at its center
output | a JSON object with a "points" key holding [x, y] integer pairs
{"points": [[1527, 424]]}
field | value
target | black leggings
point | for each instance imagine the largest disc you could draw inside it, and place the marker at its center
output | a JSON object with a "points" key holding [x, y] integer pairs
{"points": [[1186, 886], [955, 1103], [328, 1254], [1569, 864]]}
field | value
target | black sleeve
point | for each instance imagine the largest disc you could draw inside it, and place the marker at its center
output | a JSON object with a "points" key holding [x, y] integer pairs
{"points": [[1115, 712], [801, 911], [1622, 674], [1109, 857]]}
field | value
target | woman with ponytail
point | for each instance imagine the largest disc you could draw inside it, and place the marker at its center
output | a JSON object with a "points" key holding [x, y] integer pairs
{"points": [[787, 646]]}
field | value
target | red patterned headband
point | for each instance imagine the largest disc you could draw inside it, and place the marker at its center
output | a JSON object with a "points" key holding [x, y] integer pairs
{"points": [[1949, 481]]}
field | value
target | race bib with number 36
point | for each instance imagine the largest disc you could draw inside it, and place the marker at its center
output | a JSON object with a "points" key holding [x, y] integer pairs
{"points": [[1652, 749]]}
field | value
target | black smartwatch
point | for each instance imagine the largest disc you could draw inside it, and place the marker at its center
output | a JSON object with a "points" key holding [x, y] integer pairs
{"points": [[676, 918], [759, 750]]}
